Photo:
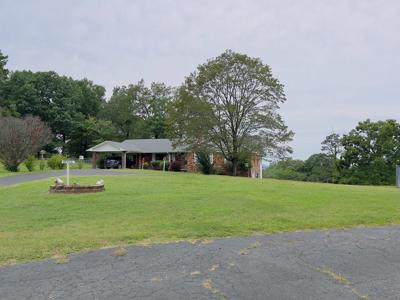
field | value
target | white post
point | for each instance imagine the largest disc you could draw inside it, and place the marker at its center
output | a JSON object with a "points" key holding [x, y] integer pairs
{"points": [[67, 162], [67, 173], [261, 170], [163, 165]]}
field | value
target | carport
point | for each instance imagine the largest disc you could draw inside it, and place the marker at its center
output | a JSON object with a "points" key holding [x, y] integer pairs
{"points": [[107, 147]]}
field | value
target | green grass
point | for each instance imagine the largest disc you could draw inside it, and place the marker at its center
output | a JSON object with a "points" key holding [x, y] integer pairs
{"points": [[159, 207]]}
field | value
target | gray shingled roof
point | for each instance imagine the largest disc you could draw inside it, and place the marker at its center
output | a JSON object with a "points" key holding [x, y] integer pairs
{"points": [[143, 146]]}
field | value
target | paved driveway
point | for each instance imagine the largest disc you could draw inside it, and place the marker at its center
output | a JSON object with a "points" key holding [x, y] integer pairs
{"points": [[332, 264], [15, 179]]}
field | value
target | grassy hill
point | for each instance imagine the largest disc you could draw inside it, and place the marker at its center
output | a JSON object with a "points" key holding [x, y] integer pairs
{"points": [[161, 207]]}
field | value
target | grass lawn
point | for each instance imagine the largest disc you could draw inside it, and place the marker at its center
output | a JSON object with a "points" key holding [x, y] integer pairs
{"points": [[159, 207]]}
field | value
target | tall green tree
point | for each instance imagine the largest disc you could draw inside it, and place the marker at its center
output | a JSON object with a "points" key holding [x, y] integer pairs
{"points": [[371, 152], [152, 106], [60, 101], [89, 132], [122, 111], [319, 168], [230, 104], [5, 108], [3, 70], [332, 146], [139, 111]]}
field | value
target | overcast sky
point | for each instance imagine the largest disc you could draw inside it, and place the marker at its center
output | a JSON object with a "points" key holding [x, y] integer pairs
{"points": [[339, 60]]}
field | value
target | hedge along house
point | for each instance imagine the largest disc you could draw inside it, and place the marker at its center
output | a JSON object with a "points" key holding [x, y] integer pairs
{"points": [[138, 153]]}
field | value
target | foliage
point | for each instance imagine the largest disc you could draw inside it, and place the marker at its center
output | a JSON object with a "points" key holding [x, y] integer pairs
{"points": [[30, 162], [121, 111], [60, 101], [152, 104], [33, 221], [80, 163], [243, 167], [139, 111], [332, 145], [204, 162], [100, 163], [42, 164], [19, 138], [319, 168], [286, 169], [55, 162], [3, 70], [176, 165], [159, 164], [90, 132], [230, 105], [371, 152]]}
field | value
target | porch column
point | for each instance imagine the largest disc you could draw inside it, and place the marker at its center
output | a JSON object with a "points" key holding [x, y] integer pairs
{"points": [[123, 160], [94, 160], [153, 157]]}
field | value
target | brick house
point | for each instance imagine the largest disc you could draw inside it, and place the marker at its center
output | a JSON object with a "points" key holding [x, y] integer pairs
{"points": [[139, 152]]}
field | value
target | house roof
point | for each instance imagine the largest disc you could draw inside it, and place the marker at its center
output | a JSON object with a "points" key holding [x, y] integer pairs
{"points": [[138, 146]]}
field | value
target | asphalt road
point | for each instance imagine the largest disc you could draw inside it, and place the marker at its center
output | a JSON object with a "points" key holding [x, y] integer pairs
{"points": [[16, 179], [362, 263]]}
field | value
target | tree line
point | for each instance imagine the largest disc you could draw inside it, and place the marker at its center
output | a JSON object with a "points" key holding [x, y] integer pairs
{"points": [[367, 155], [230, 104]]}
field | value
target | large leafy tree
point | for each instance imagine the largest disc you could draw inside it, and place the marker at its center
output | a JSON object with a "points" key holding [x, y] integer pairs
{"points": [[90, 132], [332, 146], [60, 101], [319, 167], [152, 104], [139, 111], [371, 152], [5, 108], [230, 104], [121, 110]]}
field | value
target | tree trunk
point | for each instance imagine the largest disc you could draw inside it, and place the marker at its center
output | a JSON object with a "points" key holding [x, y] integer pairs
{"points": [[234, 166]]}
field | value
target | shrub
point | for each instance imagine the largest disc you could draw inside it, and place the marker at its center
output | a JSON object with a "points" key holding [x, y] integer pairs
{"points": [[20, 138], [204, 163], [55, 162], [243, 167], [80, 163], [42, 164], [12, 167], [30, 162], [158, 164], [176, 166], [100, 162], [146, 165]]}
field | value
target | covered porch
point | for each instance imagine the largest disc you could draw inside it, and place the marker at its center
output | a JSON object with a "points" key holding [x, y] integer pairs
{"points": [[129, 157]]}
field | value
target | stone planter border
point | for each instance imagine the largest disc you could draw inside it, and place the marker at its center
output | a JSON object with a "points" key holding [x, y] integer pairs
{"points": [[76, 189]]}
